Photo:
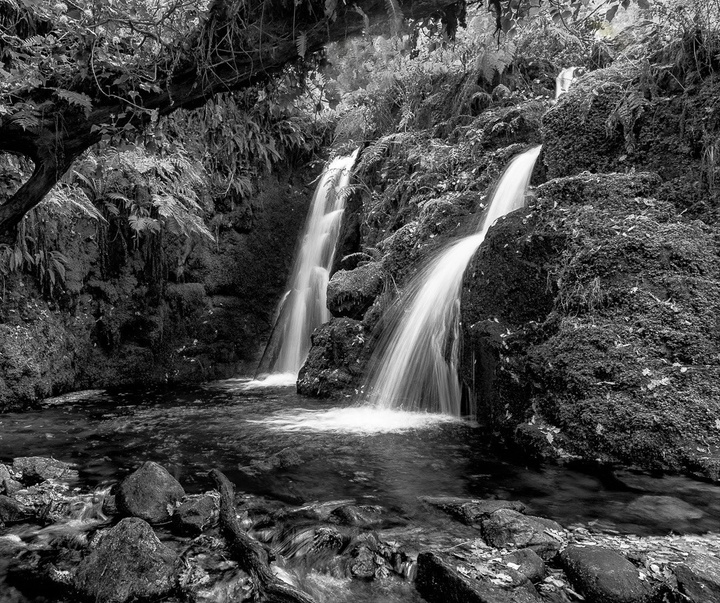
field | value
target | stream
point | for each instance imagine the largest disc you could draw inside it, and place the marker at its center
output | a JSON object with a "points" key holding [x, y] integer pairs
{"points": [[273, 443]]}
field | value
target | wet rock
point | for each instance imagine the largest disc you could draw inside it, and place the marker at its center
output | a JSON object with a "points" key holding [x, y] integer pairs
{"points": [[506, 527], [529, 563], [129, 563], [109, 504], [604, 576], [287, 457], [469, 510], [699, 578], [195, 514], [12, 511], [351, 292], [439, 582], [36, 469], [667, 509], [362, 516], [8, 484], [333, 364], [363, 564], [150, 493]]}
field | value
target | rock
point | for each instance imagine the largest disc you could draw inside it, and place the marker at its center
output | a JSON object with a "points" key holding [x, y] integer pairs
{"points": [[195, 514], [333, 364], [666, 509], [469, 510], [558, 365], [363, 564], [362, 516], [507, 527], [604, 576], [8, 484], [150, 493], [438, 581], [36, 469], [531, 564], [129, 563], [699, 578], [12, 511], [351, 292], [287, 457], [500, 92]]}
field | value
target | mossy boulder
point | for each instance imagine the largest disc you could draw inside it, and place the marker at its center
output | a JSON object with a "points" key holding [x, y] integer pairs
{"points": [[334, 362], [351, 292], [592, 317]]}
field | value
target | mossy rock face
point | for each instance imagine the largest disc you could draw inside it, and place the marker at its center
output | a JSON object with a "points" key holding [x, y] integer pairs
{"points": [[621, 119], [593, 321]]}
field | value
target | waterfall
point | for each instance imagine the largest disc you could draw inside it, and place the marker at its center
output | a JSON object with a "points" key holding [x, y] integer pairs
{"points": [[563, 81], [414, 366], [304, 305]]}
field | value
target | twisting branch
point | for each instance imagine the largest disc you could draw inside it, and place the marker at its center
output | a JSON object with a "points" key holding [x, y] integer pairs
{"points": [[249, 553]]}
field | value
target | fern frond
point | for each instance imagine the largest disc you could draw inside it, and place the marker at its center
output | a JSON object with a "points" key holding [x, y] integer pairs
{"points": [[395, 13], [301, 44], [75, 98]]}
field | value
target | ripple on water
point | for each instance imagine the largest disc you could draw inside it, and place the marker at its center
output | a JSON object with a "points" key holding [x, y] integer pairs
{"points": [[355, 419]]}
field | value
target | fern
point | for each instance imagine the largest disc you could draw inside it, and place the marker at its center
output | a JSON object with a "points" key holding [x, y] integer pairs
{"points": [[395, 13], [301, 44], [75, 98]]}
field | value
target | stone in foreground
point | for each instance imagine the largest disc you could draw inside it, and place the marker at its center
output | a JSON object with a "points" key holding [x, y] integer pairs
{"points": [[130, 563], [149, 493], [604, 576], [699, 578], [439, 582], [506, 527]]}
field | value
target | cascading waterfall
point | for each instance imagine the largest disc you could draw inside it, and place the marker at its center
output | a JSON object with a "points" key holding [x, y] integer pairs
{"points": [[415, 364], [304, 305]]}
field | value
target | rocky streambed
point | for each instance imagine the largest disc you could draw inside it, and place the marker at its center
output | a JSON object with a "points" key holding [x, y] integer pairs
{"points": [[145, 538]]}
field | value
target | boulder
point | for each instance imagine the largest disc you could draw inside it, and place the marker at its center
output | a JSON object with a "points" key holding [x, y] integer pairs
{"points": [[506, 527], [528, 563], [36, 469], [351, 292], [195, 514], [12, 511], [128, 564], [604, 349], [333, 363], [469, 510], [150, 493], [699, 578], [662, 509], [363, 516], [8, 484], [438, 581], [604, 576]]}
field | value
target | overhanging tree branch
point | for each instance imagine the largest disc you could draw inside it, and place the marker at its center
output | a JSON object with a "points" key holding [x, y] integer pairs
{"points": [[238, 45]]}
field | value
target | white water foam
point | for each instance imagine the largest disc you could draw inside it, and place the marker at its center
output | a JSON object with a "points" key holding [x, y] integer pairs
{"points": [[364, 420]]}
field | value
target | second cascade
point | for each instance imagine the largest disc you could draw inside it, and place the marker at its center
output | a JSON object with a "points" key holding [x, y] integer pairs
{"points": [[415, 365]]}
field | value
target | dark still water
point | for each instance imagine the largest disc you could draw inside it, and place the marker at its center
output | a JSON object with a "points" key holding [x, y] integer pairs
{"points": [[275, 443]]}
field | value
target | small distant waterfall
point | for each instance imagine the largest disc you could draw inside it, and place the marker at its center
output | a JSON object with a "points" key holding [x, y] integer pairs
{"points": [[304, 305], [563, 81], [415, 364]]}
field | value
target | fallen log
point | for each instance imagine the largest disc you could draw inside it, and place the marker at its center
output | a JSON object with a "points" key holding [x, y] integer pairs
{"points": [[251, 556]]}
